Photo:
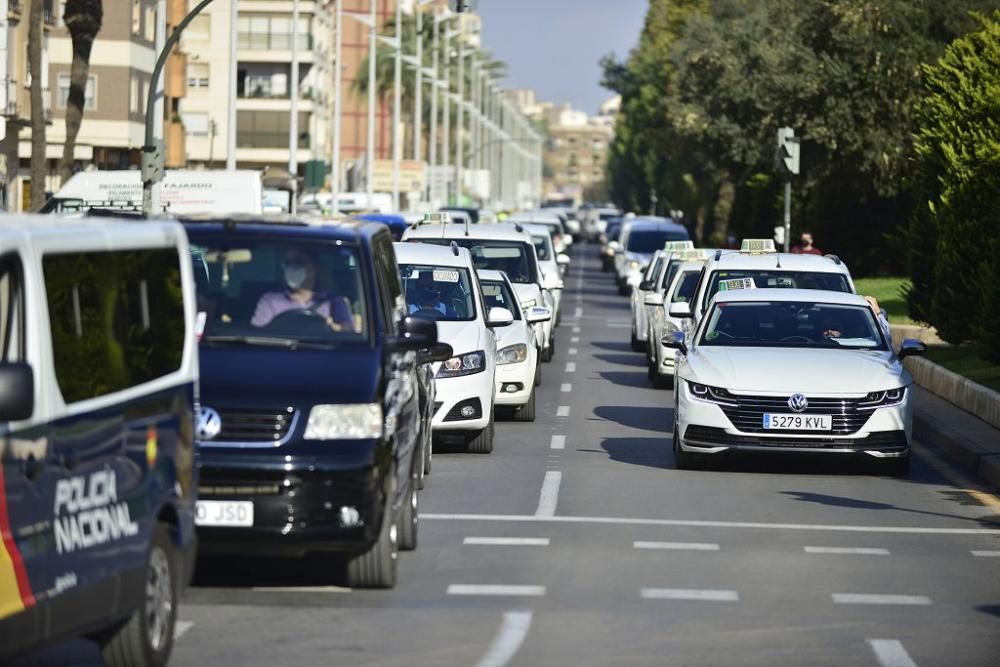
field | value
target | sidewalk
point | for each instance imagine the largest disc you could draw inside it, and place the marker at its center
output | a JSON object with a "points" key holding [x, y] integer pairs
{"points": [[965, 439]]}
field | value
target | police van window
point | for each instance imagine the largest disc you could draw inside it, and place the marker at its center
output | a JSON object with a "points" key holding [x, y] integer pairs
{"points": [[117, 319], [11, 310]]}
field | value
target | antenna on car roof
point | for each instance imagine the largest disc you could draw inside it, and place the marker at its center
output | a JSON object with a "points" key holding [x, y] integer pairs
{"points": [[454, 248], [778, 257], [835, 258], [518, 227]]}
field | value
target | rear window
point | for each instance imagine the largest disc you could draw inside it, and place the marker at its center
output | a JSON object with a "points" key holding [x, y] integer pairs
{"points": [[829, 282], [514, 258], [648, 242]]}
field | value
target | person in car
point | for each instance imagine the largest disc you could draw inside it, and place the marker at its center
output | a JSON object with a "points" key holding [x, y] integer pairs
{"points": [[427, 297], [300, 294]]}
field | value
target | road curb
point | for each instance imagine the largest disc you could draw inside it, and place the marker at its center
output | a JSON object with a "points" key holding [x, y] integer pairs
{"points": [[960, 449], [960, 391]]}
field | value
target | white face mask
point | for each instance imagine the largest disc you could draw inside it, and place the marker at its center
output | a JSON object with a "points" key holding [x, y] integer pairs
{"points": [[295, 275]]}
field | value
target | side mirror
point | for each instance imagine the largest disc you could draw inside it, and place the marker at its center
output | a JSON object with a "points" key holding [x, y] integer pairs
{"points": [[647, 285], [910, 347], [675, 341], [653, 298], [537, 314], [562, 259], [680, 310], [499, 317], [17, 392], [415, 333], [438, 352], [615, 245]]}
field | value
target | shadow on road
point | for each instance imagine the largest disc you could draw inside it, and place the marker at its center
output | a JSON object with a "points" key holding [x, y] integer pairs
{"points": [[649, 419], [626, 379], [269, 572], [855, 503], [632, 359], [612, 346], [616, 304], [650, 452]]}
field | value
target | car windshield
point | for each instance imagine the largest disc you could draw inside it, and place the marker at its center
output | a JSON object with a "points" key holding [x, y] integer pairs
{"points": [[653, 270], [543, 246], [670, 272], [798, 324], [828, 282], [613, 231], [443, 293], [514, 258], [648, 242], [684, 289], [497, 294], [268, 292]]}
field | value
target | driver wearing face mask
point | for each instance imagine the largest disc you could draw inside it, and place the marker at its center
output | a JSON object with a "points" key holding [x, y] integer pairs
{"points": [[299, 269]]}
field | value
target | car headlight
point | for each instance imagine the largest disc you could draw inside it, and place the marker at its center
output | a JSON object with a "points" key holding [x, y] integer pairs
{"points": [[609, 252], [465, 364], [344, 422], [512, 354], [633, 264], [704, 392], [530, 303], [883, 399]]}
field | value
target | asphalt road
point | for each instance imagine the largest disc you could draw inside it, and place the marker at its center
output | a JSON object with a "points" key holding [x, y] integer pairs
{"points": [[577, 542]]}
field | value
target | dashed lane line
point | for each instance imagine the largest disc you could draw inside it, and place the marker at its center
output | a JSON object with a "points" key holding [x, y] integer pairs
{"points": [[676, 546], [986, 554], [890, 653], [566, 387], [571, 367], [513, 631], [548, 499], [688, 523], [558, 442], [496, 589], [878, 598], [507, 541], [574, 339], [699, 594], [301, 589], [844, 551], [572, 351], [562, 411]]}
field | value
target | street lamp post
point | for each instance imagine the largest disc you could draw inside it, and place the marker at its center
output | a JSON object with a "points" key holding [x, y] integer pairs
{"points": [[293, 122], [370, 176], [337, 106], [397, 85], [446, 140], [234, 14], [459, 119]]}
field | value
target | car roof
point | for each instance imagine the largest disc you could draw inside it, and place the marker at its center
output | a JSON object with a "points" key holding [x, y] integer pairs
{"points": [[537, 229], [777, 262], [536, 217], [281, 224], [432, 255], [653, 224], [779, 294], [496, 232]]}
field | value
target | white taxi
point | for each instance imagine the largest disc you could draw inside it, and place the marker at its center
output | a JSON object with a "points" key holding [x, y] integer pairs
{"points": [[789, 370], [441, 283], [551, 265], [655, 279], [660, 360], [519, 368]]}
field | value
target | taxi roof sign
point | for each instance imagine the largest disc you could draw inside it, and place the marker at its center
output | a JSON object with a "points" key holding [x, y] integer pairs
{"points": [[440, 218], [693, 254], [674, 246], [758, 246]]}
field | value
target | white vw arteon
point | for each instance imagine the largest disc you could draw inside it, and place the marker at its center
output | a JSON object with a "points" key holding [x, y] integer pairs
{"points": [[785, 370]]}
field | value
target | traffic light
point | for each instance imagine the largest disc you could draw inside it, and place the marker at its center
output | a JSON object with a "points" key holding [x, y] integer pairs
{"points": [[788, 150]]}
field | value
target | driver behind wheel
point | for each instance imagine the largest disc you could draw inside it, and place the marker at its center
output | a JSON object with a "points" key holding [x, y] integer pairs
{"points": [[300, 294], [427, 297]]}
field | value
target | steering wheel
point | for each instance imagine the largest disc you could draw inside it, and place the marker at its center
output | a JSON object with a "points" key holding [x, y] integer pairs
{"points": [[299, 322], [297, 314], [432, 313], [804, 339]]}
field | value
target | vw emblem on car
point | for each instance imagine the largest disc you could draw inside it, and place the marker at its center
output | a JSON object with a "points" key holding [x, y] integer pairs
{"points": [[798, 402], [209, 423]]}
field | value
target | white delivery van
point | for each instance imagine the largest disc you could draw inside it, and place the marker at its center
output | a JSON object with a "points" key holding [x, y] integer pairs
{"points": [[181, 192]]}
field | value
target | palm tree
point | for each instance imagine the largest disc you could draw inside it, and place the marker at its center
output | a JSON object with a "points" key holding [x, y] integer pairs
{"points": [[37, 106], [83, 20]]}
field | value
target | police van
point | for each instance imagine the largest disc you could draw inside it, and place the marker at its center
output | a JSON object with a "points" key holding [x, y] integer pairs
{"points": [[98, 383]]}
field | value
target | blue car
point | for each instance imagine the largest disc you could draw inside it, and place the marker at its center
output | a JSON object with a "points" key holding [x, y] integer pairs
{"points": [[396, 223]]}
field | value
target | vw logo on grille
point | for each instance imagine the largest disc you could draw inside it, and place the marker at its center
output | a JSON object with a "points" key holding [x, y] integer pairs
{"points": [[209, 423], [798, 402]]}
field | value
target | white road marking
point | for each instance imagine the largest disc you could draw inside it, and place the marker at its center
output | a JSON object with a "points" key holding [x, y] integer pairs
{"points": [[549, 497], [862, 551], [571, 351], [578, 312], [623, 325], [558, 442], [689, 594], [576, 329], [566, 387], [508, 541], [678, 546], [890, 653], [562, 411], [574, 339], [762, 525], [571, 367], [300, 589], [181, 628], [513, 631], [874, 598], [495, 589], [986, 554]]}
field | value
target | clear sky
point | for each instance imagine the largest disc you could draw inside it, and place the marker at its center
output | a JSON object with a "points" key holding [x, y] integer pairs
{"points": [[554, 46]]}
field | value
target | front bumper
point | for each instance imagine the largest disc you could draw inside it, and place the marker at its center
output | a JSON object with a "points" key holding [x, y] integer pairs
{"points": [[452, 393], [522, 374], [704, 428], [297, 507]]}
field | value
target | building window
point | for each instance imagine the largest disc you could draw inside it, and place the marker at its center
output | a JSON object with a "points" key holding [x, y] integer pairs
{"points": [[200, 28], [89, 93], [197, 75], [268, 129], [150, 25], [136, 17], [271, 33], [196, 124], [137, 95]]}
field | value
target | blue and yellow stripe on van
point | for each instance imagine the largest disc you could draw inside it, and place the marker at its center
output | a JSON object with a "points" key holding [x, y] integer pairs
{"points": [[15, 590]]}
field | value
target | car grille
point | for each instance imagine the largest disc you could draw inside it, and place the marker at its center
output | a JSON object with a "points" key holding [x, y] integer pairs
{"points": [[255, 425], [748, 413], [711, 436]]}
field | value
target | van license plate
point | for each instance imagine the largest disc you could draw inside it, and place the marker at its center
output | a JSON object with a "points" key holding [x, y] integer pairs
{"points": [[797, 422], [224, 513]]}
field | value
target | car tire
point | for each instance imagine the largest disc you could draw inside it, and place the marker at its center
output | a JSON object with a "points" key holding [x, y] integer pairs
{"points": [[146, 638], [661, 381], [538, 370], [408, 519], [526, 413], [622, 289], [635, 343], [482, 442], [428, 449], [899, 467], [376, 567], [549, 352], [684, 460]]}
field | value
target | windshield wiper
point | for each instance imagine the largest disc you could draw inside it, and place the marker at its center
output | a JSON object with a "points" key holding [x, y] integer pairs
{"points": [[267, 341]]}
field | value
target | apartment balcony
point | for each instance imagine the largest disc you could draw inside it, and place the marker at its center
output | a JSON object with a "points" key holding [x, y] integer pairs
{"points": [[175, 81], [274, 47], [176, 149], [9, 108]]}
